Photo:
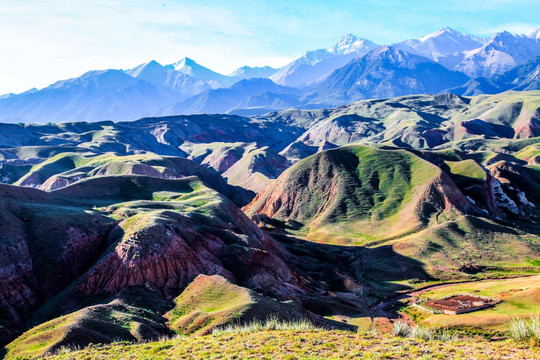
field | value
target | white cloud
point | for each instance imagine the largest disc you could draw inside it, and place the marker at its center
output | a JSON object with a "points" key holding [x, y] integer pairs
{"points": [[47, 41]]}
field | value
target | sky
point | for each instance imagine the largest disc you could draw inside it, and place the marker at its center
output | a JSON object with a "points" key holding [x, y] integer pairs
{"points": [[45, 41]]}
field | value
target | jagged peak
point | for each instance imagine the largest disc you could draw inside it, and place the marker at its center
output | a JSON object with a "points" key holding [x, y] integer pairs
{"points": [[535, 35], [504, 35], [442, 31], [351, 43], [185, 61], [149, 66], [248, 69]]}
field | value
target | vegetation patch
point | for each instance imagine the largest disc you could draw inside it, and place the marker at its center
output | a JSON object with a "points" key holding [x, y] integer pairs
{"points": [[520, 297], [207, 302], [307, 344]]}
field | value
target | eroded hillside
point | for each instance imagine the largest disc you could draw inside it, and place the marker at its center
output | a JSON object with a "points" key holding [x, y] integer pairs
{"points": [[133, 231]]}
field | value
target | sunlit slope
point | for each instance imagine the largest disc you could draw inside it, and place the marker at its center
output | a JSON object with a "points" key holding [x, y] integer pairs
{"points": [[361, 193]]}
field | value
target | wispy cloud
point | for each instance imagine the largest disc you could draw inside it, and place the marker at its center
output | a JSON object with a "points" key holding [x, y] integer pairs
{"points": [[514, 27], [43, 41]]}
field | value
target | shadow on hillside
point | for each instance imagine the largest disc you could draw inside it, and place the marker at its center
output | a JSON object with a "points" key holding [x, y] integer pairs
{"points": [[350, 280]]}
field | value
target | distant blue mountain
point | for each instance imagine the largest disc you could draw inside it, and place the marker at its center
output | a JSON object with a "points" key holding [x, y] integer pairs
{"points": [[352, 69], [96, 95], [382, 73], [255, 92], [520, 78]]}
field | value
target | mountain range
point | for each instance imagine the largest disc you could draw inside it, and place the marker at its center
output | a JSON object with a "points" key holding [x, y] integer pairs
{"points": [[351, 70]]}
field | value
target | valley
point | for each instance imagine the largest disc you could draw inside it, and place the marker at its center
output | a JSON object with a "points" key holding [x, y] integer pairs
{"points": [[343, 217], [269, 180]]}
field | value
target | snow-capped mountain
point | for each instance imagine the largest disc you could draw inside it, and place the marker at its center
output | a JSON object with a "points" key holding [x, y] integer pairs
{"points": [[316, 64], [190, 67], [382, 73], [248, 72], [535, 35], [352, 69], [520, 78], [351, 44], [441, 43], [503, 52], [182, 85]]}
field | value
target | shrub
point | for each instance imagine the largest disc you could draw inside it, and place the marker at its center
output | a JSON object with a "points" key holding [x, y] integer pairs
{"points": [[447, 336], [401, 329], [420, 332]]}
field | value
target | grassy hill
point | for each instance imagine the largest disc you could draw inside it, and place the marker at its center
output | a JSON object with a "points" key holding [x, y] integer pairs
{"points": [[357, 194], [135, 232], [447, 217], [211, 302], [307, 344]]}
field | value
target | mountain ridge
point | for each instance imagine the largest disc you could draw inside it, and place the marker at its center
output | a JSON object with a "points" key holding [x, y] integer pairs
{"points": [[152, 89]]}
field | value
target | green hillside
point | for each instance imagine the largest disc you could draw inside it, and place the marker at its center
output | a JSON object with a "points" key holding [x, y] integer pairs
{"points": [[313, 344]]}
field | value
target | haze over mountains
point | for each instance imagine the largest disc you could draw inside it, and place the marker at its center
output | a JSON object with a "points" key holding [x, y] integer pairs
{"points": [[351, 70]]}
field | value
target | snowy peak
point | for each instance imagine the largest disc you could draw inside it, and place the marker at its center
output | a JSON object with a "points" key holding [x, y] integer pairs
{"points": [[316, 64], [535, 35], [444, 42], [393, 56], [503, 52], [189, 67], [520, 47], [248, 72], [351, 43], [383, 72], [445, 31], [505, 37], [150, 67]]}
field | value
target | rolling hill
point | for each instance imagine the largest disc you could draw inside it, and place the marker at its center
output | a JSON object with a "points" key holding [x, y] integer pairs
{"points": [[355, 205]]}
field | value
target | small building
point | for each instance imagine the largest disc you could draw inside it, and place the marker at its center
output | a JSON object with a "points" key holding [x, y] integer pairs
{"points": [[460, 304]]}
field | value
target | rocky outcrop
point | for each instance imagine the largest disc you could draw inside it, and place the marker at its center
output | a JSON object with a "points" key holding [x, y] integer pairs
{"points": [[168, 250], [515, 189], [41, 237]]}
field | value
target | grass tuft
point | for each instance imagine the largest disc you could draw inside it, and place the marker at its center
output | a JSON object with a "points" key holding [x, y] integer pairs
{"points": [[422, 333], [272, 323], [65, 350], [402, 329], [524, 330]]}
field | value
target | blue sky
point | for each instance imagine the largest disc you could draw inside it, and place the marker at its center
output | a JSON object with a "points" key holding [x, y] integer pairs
{"points": [[44, 41]]}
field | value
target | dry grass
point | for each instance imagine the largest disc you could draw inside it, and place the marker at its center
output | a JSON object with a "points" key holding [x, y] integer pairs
{"points": [[526, 330], [272, 323], [306, 344]]}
